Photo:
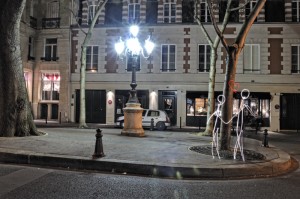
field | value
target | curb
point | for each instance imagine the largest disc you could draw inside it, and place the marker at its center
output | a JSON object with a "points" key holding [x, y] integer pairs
{"points": [[275, 167]]}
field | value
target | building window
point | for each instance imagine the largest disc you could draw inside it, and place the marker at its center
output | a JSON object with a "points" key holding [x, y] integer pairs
{"points": [[92, 58], [113, 12], [274, 11], [30, 49], [51, 50], [53, 9], [130, 63], [196, 106], [204, 12], [92, 12], [204, 58], [169, 13], [295, 59], [233, 16], [50, 86], [151, 11], [168, 57], [295, 10], [251, 58], [249, 8], [188, 8], [133, 13]]}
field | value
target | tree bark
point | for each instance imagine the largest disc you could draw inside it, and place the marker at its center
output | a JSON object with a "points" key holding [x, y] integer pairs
{"points": [[82, 115], [16, 115], [227, 107]]}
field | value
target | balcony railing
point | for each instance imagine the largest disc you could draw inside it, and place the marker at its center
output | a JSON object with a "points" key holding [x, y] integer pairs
{"points": [[50, 23], [49, 58], [33, 22]]}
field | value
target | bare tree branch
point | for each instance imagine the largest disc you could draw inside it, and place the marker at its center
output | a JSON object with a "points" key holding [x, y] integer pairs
{"points": [[240, 40], [214, 22], [240, 7], [76, 18], [204, 30]]}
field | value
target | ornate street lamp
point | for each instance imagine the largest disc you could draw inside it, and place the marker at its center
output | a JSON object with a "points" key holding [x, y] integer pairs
{"points": [[133, 111]]}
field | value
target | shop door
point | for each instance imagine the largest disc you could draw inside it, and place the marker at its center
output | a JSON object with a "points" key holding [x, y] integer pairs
{"points": [[167, 102], [95, 102], [290, 112]]}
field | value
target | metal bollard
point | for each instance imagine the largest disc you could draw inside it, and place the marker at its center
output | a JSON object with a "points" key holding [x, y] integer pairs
{"points": [[98, 146], [265, 141], [152, 124]]}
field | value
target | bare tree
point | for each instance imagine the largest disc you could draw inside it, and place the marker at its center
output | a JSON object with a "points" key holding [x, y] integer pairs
{"points": [[99, 7], [15, 111], [213, 62], [233, 51]]}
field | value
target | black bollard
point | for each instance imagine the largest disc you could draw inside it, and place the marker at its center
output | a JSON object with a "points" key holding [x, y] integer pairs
{"points": [[152, 124], [98, 146], [265, 141]]}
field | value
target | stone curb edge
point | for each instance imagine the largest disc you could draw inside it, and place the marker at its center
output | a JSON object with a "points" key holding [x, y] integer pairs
{"points": [[267, 169]]}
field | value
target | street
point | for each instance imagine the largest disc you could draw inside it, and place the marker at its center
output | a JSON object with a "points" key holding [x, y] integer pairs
{"points": [[34, 182]]}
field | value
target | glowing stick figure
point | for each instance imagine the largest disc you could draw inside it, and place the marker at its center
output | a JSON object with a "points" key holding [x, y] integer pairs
{"points": [[217, 113], [245, 93]]}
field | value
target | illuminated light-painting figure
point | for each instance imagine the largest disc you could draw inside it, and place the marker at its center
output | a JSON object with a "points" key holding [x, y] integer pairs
{"points": [[245, 93], [217, 113]]}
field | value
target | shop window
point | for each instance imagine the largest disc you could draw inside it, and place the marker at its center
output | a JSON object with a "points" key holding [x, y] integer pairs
{"points": [[170, 12], [251, 59], [50, 86], [197, 106], [168, 58], [295, 10], [295, 59], [134, 13], [92, 58], [204, 58]]}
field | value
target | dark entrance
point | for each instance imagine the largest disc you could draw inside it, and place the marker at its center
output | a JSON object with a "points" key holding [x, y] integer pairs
{"points": [[167, 101], [44, 111], [54, 111], [290, 111], [95, 102], [122, 98]]}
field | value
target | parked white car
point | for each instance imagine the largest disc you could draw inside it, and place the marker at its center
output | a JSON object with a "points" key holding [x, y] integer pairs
{"points": [[160, 119]]}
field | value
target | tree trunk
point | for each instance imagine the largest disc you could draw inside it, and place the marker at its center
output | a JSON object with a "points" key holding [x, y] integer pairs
{"points": [[82, 116], [211, 91], [16, 114], [227, 108]]}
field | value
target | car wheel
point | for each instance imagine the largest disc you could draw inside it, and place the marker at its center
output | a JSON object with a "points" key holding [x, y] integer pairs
{"points": [[160, 126]]}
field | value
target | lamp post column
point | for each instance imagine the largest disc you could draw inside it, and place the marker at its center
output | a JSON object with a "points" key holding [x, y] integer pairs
{"points": [[133, 95], [133, 111]]}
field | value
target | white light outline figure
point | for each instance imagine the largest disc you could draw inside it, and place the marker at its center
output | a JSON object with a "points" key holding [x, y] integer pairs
{"points": [[239, 127], [217, 113]]}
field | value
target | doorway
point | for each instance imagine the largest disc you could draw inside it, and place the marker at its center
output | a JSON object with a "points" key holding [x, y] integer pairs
{"points": [[167, 101]]}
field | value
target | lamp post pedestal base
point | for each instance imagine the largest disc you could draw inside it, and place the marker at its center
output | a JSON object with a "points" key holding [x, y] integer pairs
{"points": [[133, 120]]}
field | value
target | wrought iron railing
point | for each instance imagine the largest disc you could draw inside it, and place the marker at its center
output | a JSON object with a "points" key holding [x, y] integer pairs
{"points": [[50, 23]]}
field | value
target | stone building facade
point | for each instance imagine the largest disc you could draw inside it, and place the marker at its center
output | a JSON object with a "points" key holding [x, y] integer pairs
{"points": [[175, 78]]}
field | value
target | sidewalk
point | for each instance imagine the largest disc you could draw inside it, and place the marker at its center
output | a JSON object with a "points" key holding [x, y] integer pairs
{"points": [[160, 153]]}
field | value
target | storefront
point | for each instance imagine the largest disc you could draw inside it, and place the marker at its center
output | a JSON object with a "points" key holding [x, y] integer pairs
{"points": [[197, 105]]}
